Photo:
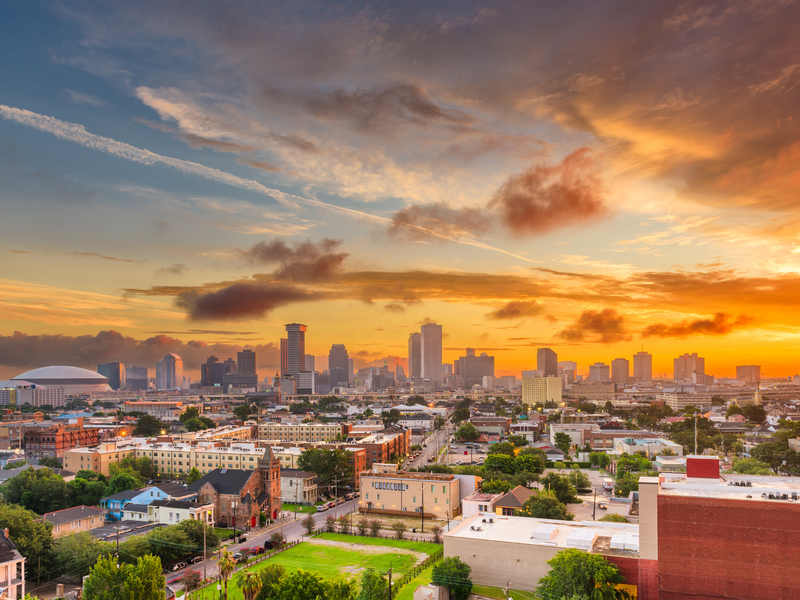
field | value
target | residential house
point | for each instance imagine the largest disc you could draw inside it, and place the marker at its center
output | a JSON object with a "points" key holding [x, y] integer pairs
{"points": [[513, 500], [116, 504], [12, 568], [299, 486], [170, 512], [11, 457], [478, 502], [75, 519]]}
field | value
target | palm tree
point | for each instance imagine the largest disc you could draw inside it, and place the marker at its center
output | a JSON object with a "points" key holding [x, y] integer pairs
{"points": [[250, 582], [226, 565]]}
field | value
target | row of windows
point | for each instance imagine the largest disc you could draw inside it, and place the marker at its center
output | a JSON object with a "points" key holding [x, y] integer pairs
{"points": [[413, 499], [380, 485]]}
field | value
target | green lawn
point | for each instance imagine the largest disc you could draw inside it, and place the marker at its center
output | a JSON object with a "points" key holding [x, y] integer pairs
{"points": [[496, 592], [289, 507], [223, 534], [370, 541], [424, 578], [332, 561]]}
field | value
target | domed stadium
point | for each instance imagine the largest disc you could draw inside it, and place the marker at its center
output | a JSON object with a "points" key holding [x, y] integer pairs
{"points": [[74, 380]]}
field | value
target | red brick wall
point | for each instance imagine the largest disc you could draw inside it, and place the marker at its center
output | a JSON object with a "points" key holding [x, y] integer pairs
{"points": [[714, 549], [702, 467]]}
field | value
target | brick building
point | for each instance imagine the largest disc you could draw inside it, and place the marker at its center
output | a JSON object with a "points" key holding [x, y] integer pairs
{"points": [[239, 496], [54, 441]]}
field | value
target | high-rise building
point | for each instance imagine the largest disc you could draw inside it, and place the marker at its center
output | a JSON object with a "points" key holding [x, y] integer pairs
{"points": [[547, 362], [136, 378], [686, 364], [115, 372], [212, 372], [414, 355], [284, 357], [169, 372], [311, 363], [538, 390], [431, 352], [351, 369], [643, 366], [472, 369], [338, 366], [399, 373], [620, 371], [246, 362], [599, 372], [296, 349], [746, 373]]}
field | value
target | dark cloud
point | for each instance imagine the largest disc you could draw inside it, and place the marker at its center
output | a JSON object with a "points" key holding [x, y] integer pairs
{"points": [[239, 301], [517, 309], [374, 109], [264, 165], [20, 352], [198, 142], [174, 269], [720, 324], [305, 261], [401, 305], [605, 326], [541, 199]]}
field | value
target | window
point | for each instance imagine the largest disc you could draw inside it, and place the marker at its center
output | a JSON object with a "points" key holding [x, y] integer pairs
{"points": [[433, 489], [415, 500], [447, 501], [436, 501], [444, 489], [366, 496], [379, 496]]}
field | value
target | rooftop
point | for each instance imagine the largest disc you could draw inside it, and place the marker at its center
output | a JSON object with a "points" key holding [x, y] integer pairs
{"points": [[759, 489], [618, 539], [419, 476], [68, 515]]}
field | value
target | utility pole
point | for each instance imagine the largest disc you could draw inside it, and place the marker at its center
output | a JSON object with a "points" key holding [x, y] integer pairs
{"points": [[508, 586], [594, 507], [117, 529], [205, 565], [390, 582], [695, 434], [422, 509], [335, 495]]}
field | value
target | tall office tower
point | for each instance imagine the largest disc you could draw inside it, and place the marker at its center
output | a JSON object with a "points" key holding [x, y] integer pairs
{"points": [[115, 372], [686, 364], [472, 369], [599, 372], [296, 349], [136, 378], [351, 369], [169, 372], [311, 363], [747, 373], [246, 362], [431, 352], [284, 357], [414, 355], [643, 366], [620, 371], [568, 365], [212, 372], [338, 365], [547, 362], [399, 373]]}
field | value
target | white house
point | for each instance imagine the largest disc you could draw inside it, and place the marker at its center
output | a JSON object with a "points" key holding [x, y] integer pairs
{"points": [[478, 502]]}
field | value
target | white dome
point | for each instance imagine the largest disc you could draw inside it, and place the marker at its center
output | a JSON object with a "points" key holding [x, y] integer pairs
{"points": [[74, 379]]}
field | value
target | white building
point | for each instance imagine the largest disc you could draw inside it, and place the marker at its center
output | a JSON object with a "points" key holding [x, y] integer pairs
{"points": [[599, 372], [12, 569], [169, 512], [17, 393], [478, 502], [299, 486]]}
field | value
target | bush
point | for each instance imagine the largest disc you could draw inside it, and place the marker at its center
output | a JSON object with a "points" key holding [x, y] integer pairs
{"points": [[362, 527], [308, 524], [613, 518], [437, 534], [330, 524], [374, 528]]}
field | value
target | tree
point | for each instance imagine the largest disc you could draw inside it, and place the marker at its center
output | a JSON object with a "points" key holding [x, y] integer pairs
{"points": [[399, 529], [330, 524], [544, 505], [302, 585], [83, 492], [194, 530], [271, 577], [500, 462], [192, 580], [142, 581], [391, 417], [459, 415], [374, 527], [496, 486], [51, 462], [140, 467], [32, 536], [326, 464], [278, 539], [243, 411], [78, 552], [467, 432], [439, 422], [193, 475], [733, 410], [750, 466], [562, 441], [149, 426], [770, 453], [191, 412], [453, 574], [518, 440], [39, 490], [308, 524], [194, 425], [531, 463], [250, 584], [124, 481], [436, 530], [577, 574], [561, 486], [373, 585], [502, 448], [629, 482], [755, 413], [416, 399], [226, 565], [169, 543], [344, 523], [613, 518]]}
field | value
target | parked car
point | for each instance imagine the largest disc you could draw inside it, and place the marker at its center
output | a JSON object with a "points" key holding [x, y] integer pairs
{"points": [[331, 504], [350, 496], [195, 559], [179, 566], [237, 557], [322, 508], [269, 544], [258, 550]]}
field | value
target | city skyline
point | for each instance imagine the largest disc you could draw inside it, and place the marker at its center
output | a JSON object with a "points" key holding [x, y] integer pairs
{"points": [[510, 173]]}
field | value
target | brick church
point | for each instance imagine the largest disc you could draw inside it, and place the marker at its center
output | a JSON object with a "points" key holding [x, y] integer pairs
{"points": [[241, 495]]}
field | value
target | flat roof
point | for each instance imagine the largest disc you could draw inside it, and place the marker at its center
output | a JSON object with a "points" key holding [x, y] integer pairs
{"points": [[404, 475], [724, 487], [618, 539]]}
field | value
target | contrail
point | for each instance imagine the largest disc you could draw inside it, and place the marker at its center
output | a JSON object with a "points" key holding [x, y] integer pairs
{"points": [[74, 132]]}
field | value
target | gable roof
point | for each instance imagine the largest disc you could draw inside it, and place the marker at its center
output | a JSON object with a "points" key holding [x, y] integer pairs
{"points": [[296, 473], [175, 490], [8, 551], [516, 498], [68, 515], [126, 495], [142, 508], [225, 481], [176, 504]]}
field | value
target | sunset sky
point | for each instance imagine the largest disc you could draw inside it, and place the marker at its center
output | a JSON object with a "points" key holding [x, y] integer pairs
{"points": [[595, 177]]}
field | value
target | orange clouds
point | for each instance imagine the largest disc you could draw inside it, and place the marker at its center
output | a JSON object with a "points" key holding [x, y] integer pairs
{"points": [[517, 309], [239, 301], [607, 327], [720, 324]]}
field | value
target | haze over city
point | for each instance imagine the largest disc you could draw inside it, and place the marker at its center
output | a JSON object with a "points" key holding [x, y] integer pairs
{"points": [[597, 180]]}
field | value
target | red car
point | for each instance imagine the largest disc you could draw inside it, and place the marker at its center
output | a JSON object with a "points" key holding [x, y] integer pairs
{"points": [[258, 550]]}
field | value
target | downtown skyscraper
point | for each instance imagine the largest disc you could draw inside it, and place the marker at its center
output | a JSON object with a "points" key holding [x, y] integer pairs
{"points": [[431, 352], [415, 355], [547, 362], [338, 365], [295, 348]]}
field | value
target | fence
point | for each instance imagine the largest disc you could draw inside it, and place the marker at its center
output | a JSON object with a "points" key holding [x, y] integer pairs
{"points": [[408, 577], [255, 559], [354, 532]]}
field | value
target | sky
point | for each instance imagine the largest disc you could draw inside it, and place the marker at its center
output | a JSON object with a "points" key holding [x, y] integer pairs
{"points": [[594, 177]]}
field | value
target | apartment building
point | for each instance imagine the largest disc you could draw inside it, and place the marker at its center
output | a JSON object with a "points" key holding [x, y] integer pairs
{"points": [[382, 447], [12, 568], [165, 410], [56, 440], [438, 496], [302, 432], [97, 459]]}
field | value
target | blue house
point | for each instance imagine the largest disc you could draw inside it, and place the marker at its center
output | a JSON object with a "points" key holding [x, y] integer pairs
{"points": [[116, 503]]}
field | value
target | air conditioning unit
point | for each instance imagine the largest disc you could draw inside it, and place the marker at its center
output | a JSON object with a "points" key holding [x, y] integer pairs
{"points": [[491, 520], [484, 520]]}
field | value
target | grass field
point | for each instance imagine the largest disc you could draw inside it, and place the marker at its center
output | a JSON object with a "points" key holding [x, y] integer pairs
{"points": [[332, 561], [499, 593], [289, 507], [407, 593]]}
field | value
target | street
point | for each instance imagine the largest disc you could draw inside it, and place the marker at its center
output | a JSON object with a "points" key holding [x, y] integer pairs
{"points": [[434, 444]]}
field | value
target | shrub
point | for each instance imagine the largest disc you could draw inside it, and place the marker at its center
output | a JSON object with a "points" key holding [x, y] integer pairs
{"points": [[399, 529], [437, 534], [362, 527], [330, 524], [374, 527]]}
